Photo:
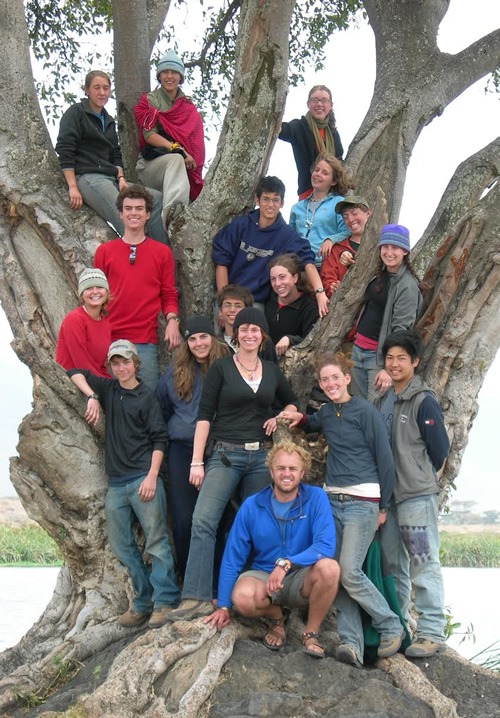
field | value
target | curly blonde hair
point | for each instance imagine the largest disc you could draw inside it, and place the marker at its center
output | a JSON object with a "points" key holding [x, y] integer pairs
{"points": [[290, 448]]}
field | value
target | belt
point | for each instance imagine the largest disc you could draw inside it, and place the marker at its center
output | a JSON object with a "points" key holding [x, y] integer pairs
{"points": [[348, 497], [247, 446]]}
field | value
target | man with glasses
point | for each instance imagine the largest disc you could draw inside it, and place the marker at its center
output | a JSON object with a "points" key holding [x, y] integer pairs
{"points": [[243, 248], [141, 279], [288, 530], [312, 134]]}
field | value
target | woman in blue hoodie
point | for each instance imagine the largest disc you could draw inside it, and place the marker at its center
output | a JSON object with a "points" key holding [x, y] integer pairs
{"points": [[179, 392]]}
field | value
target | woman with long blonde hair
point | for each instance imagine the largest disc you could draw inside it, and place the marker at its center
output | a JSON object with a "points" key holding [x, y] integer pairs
{"points": [[179, 392]]}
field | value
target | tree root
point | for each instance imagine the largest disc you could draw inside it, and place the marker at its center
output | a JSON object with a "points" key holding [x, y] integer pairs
{"points": [[408, 676]]}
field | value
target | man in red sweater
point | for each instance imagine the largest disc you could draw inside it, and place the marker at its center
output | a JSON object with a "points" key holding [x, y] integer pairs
{"points": [[141, 279], [355, 213]]}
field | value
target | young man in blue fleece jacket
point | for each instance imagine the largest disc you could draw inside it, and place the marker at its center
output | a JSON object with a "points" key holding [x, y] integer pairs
{"points": [[288, 530], [243, 248], [420, 445]]}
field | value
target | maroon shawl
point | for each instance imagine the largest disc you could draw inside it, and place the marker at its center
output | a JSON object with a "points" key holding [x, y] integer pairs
{"points": [[184, 124]]}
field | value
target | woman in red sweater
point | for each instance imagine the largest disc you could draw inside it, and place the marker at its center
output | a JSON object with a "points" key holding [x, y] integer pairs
{"points": [[85, 333]]}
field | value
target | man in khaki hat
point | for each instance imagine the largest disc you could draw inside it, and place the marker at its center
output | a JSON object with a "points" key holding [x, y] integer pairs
{"points": [[134, 444]]}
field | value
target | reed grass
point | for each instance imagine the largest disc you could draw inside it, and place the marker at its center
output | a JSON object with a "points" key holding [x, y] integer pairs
{"points": [[27, 546], [478, 550]]}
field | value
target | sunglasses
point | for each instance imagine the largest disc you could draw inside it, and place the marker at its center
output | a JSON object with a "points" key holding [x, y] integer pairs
{"points": [[133, 254]]}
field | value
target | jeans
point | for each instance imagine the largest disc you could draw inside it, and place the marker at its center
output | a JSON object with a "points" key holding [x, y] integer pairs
{"points": [[100, 191], [155, 588], [182, 497], [355, 526], [149, 370], [412, 555], [248, 473], [363, 373]]}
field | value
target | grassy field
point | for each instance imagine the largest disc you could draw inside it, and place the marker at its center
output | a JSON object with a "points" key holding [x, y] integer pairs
{"points": [[470, 550], [28, 545]]}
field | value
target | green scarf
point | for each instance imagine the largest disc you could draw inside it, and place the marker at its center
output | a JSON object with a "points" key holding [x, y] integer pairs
{"points": [[326, 145]]}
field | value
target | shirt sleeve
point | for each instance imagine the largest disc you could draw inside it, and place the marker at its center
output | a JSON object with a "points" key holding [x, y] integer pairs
{"points": [[168, 291], [69, 138], [210, 392], [284, 392], [323, 532], [155, 425], [432, 430], [301, 248], [382, 453], [406, 306], [74, 333], [225, 243]]}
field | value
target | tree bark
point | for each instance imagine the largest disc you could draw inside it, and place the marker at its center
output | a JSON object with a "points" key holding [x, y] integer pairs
{"points": [[414, 83], [45, 245]]}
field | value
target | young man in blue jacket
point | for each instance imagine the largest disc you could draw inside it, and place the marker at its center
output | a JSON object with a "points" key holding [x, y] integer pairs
{"points": [[420, 445], [288, 530], [243, 248]]}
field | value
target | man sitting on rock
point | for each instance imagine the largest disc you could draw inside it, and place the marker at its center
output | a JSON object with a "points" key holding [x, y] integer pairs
{"points": [[288, 530]]}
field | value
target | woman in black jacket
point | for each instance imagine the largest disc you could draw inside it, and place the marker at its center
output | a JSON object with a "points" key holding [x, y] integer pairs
{"points": [[91, 159], [312, 134]]}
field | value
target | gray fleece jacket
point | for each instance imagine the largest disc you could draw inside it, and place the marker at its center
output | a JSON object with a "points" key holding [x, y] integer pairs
{"points": [[403, 303], [418, 436]]}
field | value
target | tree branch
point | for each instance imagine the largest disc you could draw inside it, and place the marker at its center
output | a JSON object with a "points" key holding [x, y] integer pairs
{"points": [[215, 34]]}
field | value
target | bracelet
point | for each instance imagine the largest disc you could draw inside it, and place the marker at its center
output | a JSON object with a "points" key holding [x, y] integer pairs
{"points": [[198, 463], [174, 316], [174, 146], [224, 608]]}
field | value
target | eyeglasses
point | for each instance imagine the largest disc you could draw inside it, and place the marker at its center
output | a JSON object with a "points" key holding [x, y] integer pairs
{"points": [[276, 201], [133, 254], [320, 101]]}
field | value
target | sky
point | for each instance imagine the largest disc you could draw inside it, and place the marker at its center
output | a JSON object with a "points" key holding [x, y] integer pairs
{"points": [[466, 126]]}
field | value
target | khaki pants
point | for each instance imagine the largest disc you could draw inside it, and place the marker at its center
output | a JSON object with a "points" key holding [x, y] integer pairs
{"points": [[167, 174]]}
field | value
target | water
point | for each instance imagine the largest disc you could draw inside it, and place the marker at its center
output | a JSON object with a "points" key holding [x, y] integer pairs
{"points": [[471, 595]]}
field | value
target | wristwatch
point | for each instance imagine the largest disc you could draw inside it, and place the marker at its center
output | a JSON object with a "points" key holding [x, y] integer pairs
{"points": [[283, 563], [93, 396], [319, 290]]}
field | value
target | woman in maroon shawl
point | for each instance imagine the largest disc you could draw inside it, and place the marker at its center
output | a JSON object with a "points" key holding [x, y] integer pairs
{"points": [[170, 139]]}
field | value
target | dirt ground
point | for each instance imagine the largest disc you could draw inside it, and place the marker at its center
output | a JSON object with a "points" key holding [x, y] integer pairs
{"points": [[12, 513]]}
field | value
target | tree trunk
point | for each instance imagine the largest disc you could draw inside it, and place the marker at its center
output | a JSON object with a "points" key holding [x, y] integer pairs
{"points": [[45, 245]]}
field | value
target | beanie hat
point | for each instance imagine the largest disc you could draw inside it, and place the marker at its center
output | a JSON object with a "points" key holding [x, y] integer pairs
{"points": [[122, 348], [349, 201], [170, 61], [251, 315], [198, 325], [92, 278], [395, 234]]}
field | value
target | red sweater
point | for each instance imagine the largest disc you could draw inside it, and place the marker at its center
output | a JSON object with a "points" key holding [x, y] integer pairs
{"points": [[83, 342], [139, 291], [331, 269]]}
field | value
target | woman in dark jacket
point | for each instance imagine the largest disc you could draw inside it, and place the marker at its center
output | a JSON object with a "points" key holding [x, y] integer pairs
{"points": [[91, 158], [179, 392], [290, 311], [312, 134]]}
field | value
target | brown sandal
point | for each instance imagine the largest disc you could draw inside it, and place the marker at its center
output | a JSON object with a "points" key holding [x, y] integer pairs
{"points": [[309, 640], [279, 623]]}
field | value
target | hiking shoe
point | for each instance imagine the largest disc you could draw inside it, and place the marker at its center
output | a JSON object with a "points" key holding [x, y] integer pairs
{"points": [[390, 645], [132, 618], [347, 654], [170, 213], [422, 648], [190, 609], [159, 617]]}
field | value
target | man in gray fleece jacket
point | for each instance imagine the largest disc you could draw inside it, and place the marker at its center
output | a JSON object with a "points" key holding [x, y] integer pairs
{"points": [[420, 445]]}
